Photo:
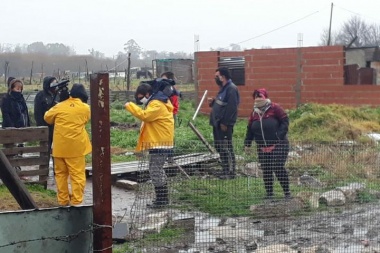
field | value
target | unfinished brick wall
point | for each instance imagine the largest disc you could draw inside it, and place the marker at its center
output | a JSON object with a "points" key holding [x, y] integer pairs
{"points": [[291, 75]]}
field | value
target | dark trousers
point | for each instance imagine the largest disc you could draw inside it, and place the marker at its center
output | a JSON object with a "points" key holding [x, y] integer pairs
{"points": [[274, 163], [156, 168], [223, 145]]}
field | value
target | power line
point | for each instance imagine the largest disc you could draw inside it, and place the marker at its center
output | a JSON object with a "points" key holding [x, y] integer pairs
{"points": [[356, 13], [278, 28]]}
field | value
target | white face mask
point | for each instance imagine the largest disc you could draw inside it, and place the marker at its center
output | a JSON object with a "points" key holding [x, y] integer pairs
{"points": [[144, 100]]}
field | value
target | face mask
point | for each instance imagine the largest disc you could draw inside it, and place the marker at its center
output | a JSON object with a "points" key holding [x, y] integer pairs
{"points": [[218, 81], [16, 94], [144, 100]]}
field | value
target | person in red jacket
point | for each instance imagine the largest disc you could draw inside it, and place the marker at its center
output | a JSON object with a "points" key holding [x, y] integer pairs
{"points": [[174, 99], [268, 126]]}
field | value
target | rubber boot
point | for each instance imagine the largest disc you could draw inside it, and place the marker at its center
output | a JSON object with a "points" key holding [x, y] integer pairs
{"points": [[162, 199]]}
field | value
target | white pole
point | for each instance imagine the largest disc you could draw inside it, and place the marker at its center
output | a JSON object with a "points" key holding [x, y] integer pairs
{"points": [[200, 103]]}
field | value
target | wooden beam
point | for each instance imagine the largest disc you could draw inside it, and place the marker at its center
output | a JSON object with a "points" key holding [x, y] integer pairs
{"points": [[11, 180], [200, 136]]}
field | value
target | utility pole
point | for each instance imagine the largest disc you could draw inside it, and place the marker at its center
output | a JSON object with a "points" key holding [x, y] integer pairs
{"points": [[128, 76], [329, 39], [101, 162]]}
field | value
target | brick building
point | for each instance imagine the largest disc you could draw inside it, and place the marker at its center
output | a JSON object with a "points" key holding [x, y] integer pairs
{"points": [[292, 76]]}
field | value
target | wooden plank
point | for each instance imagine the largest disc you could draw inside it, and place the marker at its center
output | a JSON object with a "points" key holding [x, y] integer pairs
{"points": [[44, 177], [20, 135], [25, 150], [28, 161], [11, 180], [136, 166], [29, 173], [200, 136]]}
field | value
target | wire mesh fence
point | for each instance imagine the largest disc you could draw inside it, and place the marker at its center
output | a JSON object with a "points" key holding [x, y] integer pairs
{"points": [[301, 197]]}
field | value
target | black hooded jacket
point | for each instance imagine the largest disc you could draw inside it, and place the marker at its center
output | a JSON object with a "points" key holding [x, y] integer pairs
{"points": [[44, 101], [14, 111]]}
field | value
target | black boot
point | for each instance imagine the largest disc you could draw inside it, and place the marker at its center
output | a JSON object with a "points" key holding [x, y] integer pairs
{"points": [[162, 198]]}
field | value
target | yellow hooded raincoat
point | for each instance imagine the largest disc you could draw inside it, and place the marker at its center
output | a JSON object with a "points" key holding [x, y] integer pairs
{"points": [[70, 138], [70, 145], [157, 128]]}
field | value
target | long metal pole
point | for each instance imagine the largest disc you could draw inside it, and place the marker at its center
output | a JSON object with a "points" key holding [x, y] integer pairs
{"points": [[101, 162], [329, 39], [200, 104]]}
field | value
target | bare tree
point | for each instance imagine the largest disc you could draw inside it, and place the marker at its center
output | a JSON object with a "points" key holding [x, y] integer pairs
{"points": [[354, 32], [374, 34], [325, 38], [354, 28], [6, 72]]}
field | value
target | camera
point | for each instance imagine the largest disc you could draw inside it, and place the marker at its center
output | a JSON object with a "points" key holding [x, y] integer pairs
{"points": [[60, 85], [61, 90]]}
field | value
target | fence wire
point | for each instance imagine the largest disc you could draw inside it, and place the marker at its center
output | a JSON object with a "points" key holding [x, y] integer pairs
{"points": [[325, 199]]}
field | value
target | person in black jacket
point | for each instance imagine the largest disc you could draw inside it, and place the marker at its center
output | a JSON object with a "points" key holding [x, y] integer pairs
{"points": [[268, 126], [14, 108], [44, 100], [223, 118]]}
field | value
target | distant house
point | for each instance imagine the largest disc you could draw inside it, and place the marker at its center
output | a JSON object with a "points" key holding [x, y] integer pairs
{"points": [[362, 65], [182, 68]]}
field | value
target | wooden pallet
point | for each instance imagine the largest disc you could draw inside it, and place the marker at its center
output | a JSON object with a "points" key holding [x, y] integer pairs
{"points": [[137, 166]]}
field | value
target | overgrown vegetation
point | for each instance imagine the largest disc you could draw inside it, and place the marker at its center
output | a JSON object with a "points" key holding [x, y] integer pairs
{"points": [[330, 123]]}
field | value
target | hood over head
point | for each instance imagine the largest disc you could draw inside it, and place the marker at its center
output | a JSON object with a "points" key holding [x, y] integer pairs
{"points": [[47, 81]]}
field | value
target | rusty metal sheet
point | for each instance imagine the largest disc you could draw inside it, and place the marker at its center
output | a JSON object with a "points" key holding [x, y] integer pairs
{"points": [[351, 74], [367, 76]]}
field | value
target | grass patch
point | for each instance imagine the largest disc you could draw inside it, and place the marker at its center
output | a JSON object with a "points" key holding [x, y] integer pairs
{"points": [[43, 198], [166, 236], [123, 248], [219, 197], [234, 198]]}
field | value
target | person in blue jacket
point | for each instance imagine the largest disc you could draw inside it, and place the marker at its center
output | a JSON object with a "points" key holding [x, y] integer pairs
{"points": [[223, 118]]}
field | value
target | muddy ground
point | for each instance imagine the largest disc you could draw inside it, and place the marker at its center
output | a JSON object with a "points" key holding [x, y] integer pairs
{"points": [[348, 229]]}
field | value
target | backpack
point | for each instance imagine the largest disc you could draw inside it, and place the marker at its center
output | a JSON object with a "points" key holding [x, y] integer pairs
{"points": [[163, 85]]}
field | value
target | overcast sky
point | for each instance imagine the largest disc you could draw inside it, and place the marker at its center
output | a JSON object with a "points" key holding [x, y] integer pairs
{"points": [[169, 25]]}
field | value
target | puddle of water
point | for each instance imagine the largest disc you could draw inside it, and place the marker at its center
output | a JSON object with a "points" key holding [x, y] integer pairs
{"points": [[204, 236], [349, 249], [208, 223], [255, 232], [360, 231]]}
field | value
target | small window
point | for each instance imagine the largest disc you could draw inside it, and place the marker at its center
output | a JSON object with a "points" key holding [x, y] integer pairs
{"points": [[236, 67]]}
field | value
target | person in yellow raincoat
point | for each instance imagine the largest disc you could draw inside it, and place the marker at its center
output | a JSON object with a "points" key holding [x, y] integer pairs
{"points": [[156, 135], [70, 144]]}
